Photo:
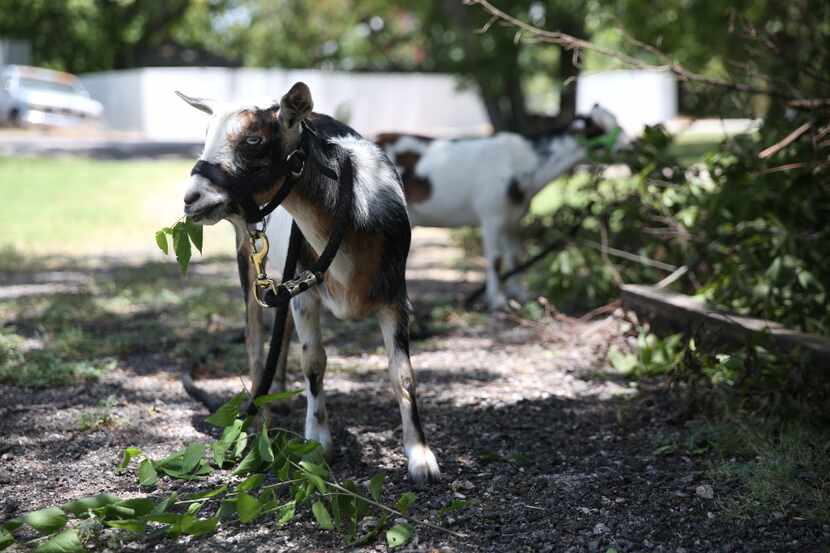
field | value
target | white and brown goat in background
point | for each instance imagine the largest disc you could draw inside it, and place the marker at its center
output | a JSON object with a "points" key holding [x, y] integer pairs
{"points": [[489, 182], [367, 276]]}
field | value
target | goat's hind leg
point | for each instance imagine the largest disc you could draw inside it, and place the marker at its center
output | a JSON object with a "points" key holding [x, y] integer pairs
{"points": [[306, 311], [394, 323], [492, 232], [512, 247]]}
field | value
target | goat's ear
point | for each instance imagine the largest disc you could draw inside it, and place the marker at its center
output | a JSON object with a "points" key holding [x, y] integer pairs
{"points": [[201, 104], [296, 105]]}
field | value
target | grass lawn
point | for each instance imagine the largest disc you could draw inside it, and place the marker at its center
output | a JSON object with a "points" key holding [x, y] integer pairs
{"points": [[96, 220], [75, 206], [691, 148]]}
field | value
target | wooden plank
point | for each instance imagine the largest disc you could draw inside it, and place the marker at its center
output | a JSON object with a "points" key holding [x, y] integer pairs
{"points": [[685, 313]]}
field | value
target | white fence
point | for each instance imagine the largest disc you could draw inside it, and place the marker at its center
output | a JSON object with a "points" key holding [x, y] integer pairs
{"points": [[15, 51], [636, 97], [142, 100]]}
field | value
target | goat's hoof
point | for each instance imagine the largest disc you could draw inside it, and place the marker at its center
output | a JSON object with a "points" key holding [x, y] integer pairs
{"points": [[328, 453], [498, 303], [323, 438], [423, 468]]}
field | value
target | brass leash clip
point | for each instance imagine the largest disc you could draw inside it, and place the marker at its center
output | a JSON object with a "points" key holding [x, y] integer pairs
{"points": [[258, 258]]}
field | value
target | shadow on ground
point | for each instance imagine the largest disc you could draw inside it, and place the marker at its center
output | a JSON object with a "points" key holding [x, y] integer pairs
{"points": [[550, 450]]}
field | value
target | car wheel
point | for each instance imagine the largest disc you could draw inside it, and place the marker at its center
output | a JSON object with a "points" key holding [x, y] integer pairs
{"points": [[14, 118]]}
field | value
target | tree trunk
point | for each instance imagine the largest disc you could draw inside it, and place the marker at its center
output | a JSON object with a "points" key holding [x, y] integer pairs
{"points": [[568, 74], [504, 99], [501, 86]]}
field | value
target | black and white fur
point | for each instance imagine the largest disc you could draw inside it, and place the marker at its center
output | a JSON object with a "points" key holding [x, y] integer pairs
{"points": [[367, 276], [489, 182]]}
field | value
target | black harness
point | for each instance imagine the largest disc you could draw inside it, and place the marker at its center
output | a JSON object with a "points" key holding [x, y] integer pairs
{"points": [[242, 188]]}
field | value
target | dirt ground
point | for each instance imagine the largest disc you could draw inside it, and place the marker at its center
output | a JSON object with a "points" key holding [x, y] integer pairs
{"points": [[550, 448]]}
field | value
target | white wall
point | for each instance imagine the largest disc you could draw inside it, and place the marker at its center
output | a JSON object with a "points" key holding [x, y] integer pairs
{"points": [[14, 51], [636, 97], [142, 100], [123, 90]]}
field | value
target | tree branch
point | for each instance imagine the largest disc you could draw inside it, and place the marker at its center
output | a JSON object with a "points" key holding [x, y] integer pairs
{"points": [[573, 43]]}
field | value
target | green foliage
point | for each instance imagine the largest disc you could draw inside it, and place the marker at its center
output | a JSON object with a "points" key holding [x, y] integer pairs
{"points": [[651, 355], [65, 542], [46, 521], [45, 368], [101, 416], [750, 236], [11, 349], [779, 468], [112, 205], [183, 233], [749, 377], [101, 35], [398, 535], [283, 474]]}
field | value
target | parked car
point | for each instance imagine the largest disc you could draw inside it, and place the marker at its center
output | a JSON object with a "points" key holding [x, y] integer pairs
{"points": [[35, 96]]}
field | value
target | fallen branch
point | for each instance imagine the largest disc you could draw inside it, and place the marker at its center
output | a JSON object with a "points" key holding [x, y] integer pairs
{"points": [[601, 310], [622, 254], [673, 277], [397, 513]]}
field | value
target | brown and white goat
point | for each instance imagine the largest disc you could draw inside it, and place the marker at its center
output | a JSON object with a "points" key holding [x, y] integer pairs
{"points": [[489, 182], [367, 276]]}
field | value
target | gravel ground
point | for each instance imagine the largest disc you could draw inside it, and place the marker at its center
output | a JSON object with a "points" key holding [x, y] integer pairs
{"points": [[552, 450]]}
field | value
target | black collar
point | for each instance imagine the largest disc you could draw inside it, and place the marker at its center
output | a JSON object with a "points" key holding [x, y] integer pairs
{"points": [[242, 187]]}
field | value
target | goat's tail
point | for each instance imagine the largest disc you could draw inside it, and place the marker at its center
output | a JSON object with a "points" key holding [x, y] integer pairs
{"points": [[197, 393]]}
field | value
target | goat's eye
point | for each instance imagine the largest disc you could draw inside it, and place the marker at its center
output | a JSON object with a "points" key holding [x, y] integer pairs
{"points": [[253, 140]]}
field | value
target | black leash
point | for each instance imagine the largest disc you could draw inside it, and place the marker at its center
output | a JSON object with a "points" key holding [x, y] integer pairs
{"points": [[268, 293], [556, 244], [280, 296], [241, 188], [280, 320]]}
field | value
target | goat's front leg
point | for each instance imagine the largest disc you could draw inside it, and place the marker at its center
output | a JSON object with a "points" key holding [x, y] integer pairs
{"points": [[306, 311], [492, 236], [512, 247], [254, 315], [394, 323]]}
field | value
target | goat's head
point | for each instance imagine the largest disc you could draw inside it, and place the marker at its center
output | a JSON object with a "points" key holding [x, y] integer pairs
{"points": [[244, 143], [600, 122]]}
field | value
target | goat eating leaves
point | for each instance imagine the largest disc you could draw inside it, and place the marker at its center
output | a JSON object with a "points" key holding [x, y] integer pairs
{"points": [[489, 182], [247, 161]]}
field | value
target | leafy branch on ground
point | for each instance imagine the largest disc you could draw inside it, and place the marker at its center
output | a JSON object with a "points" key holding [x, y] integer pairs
{"points": [[182, 234], [746, 238], [272, 475]]}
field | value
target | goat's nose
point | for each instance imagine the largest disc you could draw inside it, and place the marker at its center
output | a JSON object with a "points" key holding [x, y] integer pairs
{"points": [[192, 197]]}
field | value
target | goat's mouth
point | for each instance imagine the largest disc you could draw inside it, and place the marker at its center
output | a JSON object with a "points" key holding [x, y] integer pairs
{"points": [[206, 215]]}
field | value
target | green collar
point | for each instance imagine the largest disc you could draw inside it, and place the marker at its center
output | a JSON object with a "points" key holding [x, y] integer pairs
{"points": [[605, 141]]}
